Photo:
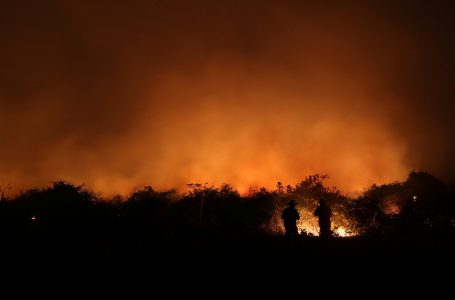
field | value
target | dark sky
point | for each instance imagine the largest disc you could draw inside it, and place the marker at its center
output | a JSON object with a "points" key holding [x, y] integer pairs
{"points": [[119, 94]]}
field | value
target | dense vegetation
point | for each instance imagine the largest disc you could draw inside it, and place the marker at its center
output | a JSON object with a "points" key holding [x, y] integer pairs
{"points": [[420, 205]]}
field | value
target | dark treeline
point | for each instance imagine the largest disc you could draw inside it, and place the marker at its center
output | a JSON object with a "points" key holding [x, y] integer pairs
{"points": [[421, 204], [69, 223]]}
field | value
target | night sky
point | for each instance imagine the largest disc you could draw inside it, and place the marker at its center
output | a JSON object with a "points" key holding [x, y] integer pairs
{"points": [[117, 94]]}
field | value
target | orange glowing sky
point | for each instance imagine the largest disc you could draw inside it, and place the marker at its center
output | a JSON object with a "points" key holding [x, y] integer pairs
{"points": [[164, 93]]}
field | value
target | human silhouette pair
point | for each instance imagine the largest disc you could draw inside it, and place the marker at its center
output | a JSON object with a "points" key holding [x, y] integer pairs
{"points": [[290, 217]]}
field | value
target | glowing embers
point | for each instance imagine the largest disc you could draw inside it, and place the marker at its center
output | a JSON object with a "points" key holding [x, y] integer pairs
{"points": [[391, 205]]}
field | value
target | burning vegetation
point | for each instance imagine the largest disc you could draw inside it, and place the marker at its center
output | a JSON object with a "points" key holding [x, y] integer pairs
{"points": [[422, 204], [306, 194]]}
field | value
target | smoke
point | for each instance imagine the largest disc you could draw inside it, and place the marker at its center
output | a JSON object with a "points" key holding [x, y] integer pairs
{"points": [[245, 92]]}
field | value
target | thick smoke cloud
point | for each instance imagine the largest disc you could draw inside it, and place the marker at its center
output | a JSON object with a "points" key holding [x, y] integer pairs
{"points": [[246, 92]]}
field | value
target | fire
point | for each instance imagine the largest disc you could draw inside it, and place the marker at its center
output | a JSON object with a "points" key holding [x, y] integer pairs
{"points": [[341, 226], [343, 232], [308, 225]]}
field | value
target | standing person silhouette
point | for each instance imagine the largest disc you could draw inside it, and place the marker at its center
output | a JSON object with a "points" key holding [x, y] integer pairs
{"points": [[324, 213], [290, 216]]}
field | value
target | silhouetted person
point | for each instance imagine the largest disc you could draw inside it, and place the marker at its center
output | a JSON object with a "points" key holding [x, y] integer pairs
{"points": [[323, 212], [290, 216]]}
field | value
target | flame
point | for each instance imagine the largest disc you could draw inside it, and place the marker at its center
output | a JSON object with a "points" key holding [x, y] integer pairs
{"points": [[344, 232], [308, 224]]}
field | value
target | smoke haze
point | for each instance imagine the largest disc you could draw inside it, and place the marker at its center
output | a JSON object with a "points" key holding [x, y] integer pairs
{"points": [[119, 94]]}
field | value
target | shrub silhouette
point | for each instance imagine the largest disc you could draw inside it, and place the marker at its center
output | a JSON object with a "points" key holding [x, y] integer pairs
{"points": [[421, 204]]}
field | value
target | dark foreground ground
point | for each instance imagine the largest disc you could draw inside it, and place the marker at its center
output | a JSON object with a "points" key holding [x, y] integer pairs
{"points": [[259, 259]]}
